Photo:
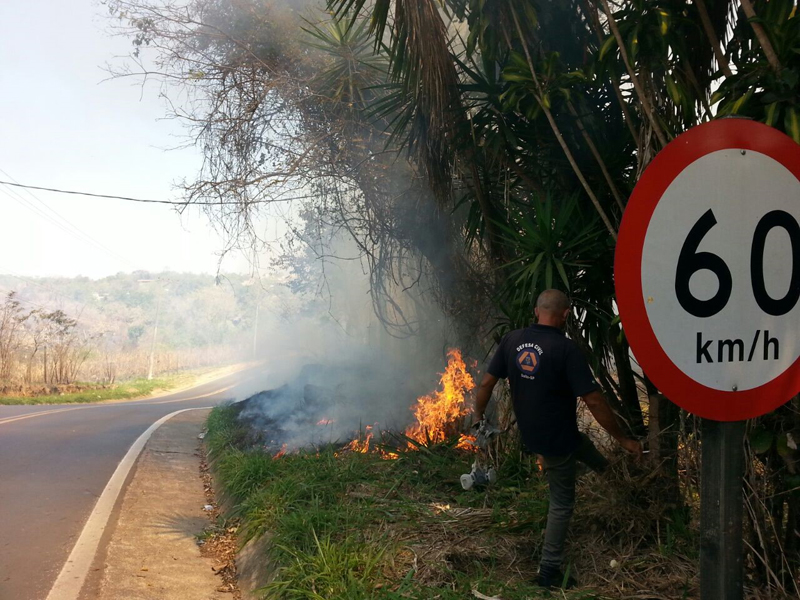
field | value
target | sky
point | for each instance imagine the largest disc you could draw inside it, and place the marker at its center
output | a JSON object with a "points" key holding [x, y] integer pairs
{"points": [[62, 126]]}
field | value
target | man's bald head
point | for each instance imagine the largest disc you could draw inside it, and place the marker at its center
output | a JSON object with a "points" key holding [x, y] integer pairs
{"points": [[553, 301], [552, 308]]}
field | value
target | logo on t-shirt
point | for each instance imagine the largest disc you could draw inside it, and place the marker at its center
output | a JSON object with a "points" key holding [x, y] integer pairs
{"points": [[528, 362]]}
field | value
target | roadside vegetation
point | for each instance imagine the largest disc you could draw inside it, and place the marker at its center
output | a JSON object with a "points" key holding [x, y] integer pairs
{"points": [[124, 390], [346, 525], [77, 335]]}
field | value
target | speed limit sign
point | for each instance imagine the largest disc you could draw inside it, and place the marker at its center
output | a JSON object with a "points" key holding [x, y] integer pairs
{"points": [[707, 270]]}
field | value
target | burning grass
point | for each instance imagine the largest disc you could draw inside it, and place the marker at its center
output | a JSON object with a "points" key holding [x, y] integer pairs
{"points": [[350, 525], [438, 415], [284, 419]]}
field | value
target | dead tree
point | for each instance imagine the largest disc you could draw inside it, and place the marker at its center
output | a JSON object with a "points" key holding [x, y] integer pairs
{"points": [[12, 318]]}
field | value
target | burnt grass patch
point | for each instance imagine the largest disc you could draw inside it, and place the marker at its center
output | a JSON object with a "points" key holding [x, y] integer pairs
{"points": [[350, 525]]}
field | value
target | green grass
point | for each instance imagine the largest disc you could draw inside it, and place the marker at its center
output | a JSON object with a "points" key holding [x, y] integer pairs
{"points": [[347, 526], [126, 390]]}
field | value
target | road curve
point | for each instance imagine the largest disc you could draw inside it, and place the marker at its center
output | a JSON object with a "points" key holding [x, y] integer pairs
{"points": [[55, 461]]}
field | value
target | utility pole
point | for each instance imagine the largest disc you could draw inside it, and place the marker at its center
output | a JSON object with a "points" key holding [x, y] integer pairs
{"points": [[155, 329], [255, 334], [155, 334]]}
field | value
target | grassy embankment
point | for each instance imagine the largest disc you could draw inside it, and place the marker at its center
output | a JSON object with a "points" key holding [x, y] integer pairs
{"points": [[354, 526], [125, 390]]}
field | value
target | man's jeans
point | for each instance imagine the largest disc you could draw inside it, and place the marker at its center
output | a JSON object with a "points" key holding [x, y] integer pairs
{"points": [[560, 471]]}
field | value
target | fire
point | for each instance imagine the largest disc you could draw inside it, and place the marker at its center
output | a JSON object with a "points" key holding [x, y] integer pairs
{"points": [[324, 421], [359, 445], [467, 442], [280, 452], [438, 413]]}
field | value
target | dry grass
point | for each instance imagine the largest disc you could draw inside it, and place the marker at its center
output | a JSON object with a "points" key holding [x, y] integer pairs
{"points": [[627, 540], [622, 517]]}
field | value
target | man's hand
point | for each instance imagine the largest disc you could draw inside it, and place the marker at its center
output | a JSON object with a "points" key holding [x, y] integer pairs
{"points": [[632, 446], [598, 405]]}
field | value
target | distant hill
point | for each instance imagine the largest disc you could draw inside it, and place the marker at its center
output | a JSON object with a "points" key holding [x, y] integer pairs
{"points": [[114, 318]]}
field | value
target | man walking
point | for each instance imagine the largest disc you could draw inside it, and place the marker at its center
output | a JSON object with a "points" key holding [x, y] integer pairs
{"points": [[547, 373]]}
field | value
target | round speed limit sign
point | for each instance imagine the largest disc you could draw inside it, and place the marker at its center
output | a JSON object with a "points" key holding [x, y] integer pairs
{"points": [[707, 270]]}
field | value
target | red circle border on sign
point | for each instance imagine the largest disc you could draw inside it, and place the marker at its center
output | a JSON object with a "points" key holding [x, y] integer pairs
{"points": [[701, 400]]}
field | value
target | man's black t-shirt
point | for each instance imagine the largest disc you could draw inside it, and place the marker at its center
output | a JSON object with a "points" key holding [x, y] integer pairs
{"points": [[547, 372]]}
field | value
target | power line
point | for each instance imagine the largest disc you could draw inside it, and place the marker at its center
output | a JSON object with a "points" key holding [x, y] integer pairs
{"points": [[70, 224], [5, 294], [6, 271], [146, 201], [46, 189], [66, 301], [37, 211], [65, 224], [40, 213]]}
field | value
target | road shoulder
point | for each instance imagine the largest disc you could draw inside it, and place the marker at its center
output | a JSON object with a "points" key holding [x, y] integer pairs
{"points": [[152, 553]]}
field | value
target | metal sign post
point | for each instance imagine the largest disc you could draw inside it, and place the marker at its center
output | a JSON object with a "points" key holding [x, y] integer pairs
{"points": [[721, 546]]}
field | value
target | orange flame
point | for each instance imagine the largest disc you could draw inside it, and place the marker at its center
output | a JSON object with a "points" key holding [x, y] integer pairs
{"points": [[280, 452], [467, 442], [324, 421], [438, 414], [359, 445], [388, 455]]}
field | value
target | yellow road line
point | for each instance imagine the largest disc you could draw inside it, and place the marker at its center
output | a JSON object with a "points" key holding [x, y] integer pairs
{"points": [[196, 397], [38, 414], [43, 413]]}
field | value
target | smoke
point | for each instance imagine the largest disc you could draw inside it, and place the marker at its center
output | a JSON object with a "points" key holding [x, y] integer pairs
{"points": [[330, 403], [362, 335], [331, 367]]}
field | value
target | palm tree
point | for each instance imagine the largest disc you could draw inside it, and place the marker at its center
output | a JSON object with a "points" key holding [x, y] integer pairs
{"points": [[558, 101]]}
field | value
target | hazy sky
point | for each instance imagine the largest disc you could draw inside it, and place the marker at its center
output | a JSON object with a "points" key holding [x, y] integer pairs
{"points": [[61, 127]]}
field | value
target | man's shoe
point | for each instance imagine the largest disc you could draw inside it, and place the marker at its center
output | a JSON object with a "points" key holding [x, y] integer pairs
{"points": [[553, 578]]}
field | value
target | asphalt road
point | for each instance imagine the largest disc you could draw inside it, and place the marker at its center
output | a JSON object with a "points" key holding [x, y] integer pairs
{"points": [[55, 461]]}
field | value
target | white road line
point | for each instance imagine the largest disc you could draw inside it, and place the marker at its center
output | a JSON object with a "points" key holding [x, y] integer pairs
{"points": [[69, 582]]}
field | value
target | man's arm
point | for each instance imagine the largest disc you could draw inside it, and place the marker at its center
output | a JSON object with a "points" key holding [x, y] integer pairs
{"points": [[600, 409], [484, 394]]}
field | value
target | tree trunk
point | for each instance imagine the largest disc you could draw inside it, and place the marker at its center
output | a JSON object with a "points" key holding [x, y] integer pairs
{"points": [[791, 543], [647, 108], [628, 392], [29, 368], [789, 537], [663, 438], [762, 36], [708, 27]]}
